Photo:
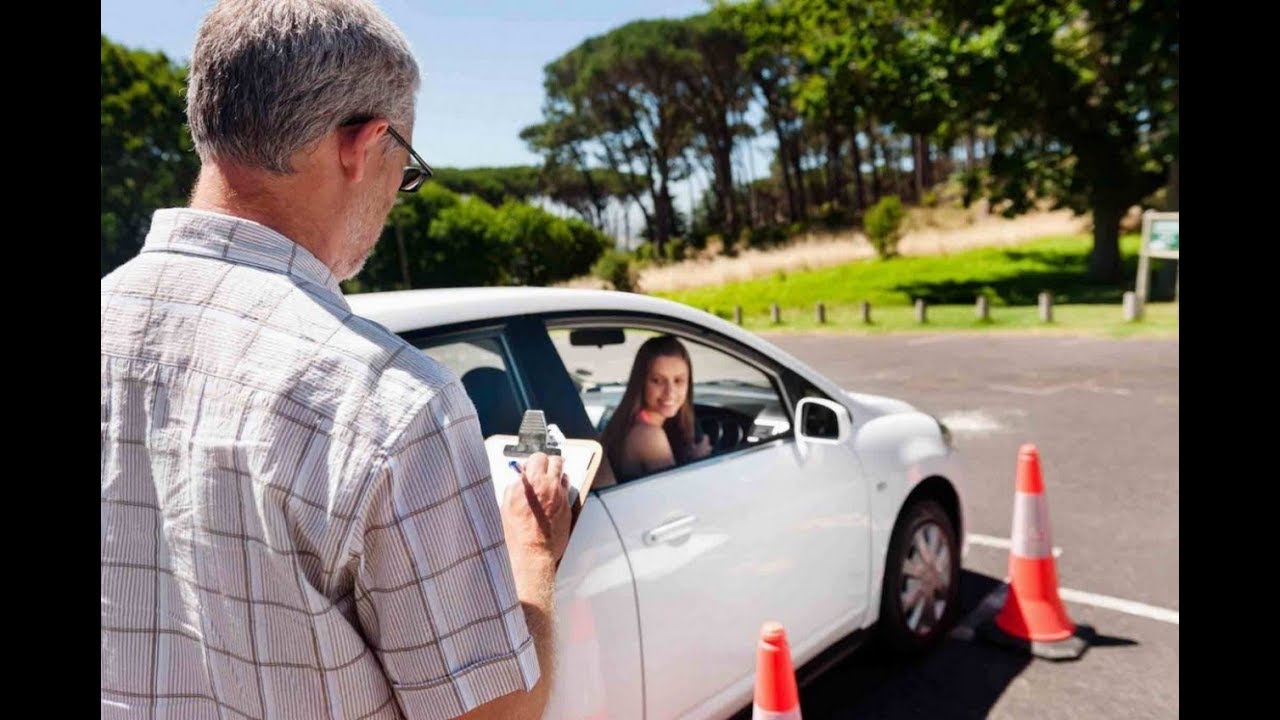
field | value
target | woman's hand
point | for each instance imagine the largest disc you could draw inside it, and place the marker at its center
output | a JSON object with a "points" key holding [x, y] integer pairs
{"points": [[701, 448]]}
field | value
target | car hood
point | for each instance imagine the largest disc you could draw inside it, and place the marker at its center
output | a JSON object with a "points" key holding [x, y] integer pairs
{"points": [[881, 404]]}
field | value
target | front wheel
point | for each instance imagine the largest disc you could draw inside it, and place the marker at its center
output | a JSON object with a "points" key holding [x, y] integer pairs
{"points": [[919, 599]]}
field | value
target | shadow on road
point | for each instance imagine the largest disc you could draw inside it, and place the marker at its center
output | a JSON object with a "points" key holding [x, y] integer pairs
{"points": [[958, 679]]}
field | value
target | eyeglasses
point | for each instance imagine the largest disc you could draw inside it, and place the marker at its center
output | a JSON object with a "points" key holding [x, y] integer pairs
{"points": [[414, 176]]}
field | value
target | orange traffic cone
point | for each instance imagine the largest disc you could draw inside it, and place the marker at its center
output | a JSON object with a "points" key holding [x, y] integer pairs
{"points": [[1033, 616], [776, 695]]}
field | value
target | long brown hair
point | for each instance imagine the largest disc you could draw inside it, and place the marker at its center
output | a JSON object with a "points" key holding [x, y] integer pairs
{"points": [[679, 429]]}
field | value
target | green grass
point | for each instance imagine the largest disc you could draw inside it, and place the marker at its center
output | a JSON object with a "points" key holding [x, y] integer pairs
{"points": [[1010, 277]]}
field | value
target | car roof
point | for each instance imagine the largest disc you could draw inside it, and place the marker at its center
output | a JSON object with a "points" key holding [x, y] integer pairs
{"points": [[405, 310]]}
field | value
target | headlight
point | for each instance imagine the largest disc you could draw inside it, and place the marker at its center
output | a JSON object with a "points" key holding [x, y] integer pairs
{"points": [[946, 433]]}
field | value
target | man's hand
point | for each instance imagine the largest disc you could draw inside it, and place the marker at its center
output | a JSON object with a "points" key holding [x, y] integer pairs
{"points": [[535, 518], [535, 509]]}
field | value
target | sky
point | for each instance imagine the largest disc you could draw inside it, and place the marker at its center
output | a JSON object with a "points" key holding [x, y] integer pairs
{"points": [[482, 60]]}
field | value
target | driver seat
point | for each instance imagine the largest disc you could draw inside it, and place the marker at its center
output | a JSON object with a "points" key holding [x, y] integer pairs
{"points": [[491, 392]]}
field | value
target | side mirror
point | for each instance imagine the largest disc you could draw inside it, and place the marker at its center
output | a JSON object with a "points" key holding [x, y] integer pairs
{"points": [[823, 421]]}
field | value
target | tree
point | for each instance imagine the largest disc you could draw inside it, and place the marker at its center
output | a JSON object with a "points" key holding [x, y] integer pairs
{"points": [[494, 185], [1083, 98], [567, 175], [148, 160], [464, 247], [769, 29], [619, 92], [541, 248], [438, 238], [717, 88]]}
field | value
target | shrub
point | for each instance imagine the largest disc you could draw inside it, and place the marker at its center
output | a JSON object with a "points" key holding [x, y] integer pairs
{"points": [[883, 224], [618, 269]]}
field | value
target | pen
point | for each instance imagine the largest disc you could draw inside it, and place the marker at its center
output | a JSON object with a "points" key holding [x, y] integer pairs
{"points": [[515, 466]]}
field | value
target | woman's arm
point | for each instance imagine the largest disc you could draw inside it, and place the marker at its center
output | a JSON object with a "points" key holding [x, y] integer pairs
{"points": [[648, 447]]}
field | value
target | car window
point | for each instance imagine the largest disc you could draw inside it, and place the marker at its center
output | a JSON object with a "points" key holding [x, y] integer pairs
{"points": [[799, 388], [735, 404], [482, 364]]}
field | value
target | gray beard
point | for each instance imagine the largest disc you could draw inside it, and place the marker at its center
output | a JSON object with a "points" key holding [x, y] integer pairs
{"points": [[352, 247]]}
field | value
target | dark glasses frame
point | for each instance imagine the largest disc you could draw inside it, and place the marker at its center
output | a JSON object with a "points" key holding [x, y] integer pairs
{"points": [[413, 176]]}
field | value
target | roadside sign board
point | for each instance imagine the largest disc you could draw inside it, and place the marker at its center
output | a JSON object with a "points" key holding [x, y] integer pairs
{"points": [[1159, 240]]}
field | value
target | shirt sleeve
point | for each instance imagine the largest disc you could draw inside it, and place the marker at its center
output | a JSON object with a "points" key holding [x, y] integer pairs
{"points": [[435, 594]]}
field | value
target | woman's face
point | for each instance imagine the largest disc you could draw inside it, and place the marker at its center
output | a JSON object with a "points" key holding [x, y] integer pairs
{"points": [[667, 385]]}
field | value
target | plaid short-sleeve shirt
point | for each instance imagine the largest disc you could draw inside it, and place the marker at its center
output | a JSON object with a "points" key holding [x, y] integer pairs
{"points": [[297, 515]]}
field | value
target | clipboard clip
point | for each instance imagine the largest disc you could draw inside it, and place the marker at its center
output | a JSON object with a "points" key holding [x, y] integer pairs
{"points": [[534, 436]]}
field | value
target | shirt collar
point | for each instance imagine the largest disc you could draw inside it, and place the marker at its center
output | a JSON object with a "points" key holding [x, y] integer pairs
{"points": [[239, 241]]}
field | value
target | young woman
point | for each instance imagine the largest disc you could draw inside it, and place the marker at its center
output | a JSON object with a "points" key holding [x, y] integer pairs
{"points": [[652, 428]]}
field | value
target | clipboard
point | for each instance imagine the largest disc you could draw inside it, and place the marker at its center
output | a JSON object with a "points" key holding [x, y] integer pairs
{"points": [[581, 462]]}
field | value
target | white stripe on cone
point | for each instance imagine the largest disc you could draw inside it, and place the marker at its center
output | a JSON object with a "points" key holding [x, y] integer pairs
{"points": [[1031, 536]]}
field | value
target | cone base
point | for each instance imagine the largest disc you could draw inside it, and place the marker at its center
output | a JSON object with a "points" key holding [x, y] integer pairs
{"points": [[1035, 621], [759, 713], [1070, 648]]}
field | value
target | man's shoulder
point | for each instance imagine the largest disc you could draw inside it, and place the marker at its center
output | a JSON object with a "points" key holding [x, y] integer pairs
{"points": [[271, 332], [131, 275], [402, 380], [393, 352]]}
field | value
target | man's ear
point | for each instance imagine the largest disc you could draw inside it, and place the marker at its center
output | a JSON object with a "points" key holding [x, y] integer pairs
{"points": [[356, 145]]}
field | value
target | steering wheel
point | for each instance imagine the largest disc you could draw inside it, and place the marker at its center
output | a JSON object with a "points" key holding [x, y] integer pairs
{"points": [[711, 428], [724, 433]]}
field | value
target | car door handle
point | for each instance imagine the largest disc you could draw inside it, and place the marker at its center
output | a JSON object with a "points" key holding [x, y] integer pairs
{"points": [[679, 528]]}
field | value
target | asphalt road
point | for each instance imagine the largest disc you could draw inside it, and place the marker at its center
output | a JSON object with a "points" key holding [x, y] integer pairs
{"points": [[1104, 415]]}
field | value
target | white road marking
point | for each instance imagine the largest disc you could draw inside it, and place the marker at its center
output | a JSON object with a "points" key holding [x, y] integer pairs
{"points": [[1125, 606], [995, 599], [1050, 390], [971, 421], [1090, 385], [1000, 543]]}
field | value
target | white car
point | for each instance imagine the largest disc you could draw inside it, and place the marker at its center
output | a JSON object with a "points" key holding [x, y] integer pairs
{"points": [[828, 511]]}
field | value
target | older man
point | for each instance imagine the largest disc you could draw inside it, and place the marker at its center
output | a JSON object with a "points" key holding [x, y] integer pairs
{"points": [[297, 515]]}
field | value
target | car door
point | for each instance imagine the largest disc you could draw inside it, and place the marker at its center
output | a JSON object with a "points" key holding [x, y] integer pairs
{"points": [[597, 638], [764, 530]]}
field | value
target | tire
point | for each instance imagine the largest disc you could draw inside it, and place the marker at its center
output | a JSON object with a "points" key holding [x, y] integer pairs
{"points": [[909, 623]]}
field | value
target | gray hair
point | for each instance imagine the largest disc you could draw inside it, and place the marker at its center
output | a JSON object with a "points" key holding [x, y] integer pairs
{"points": [[270, 77]]}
